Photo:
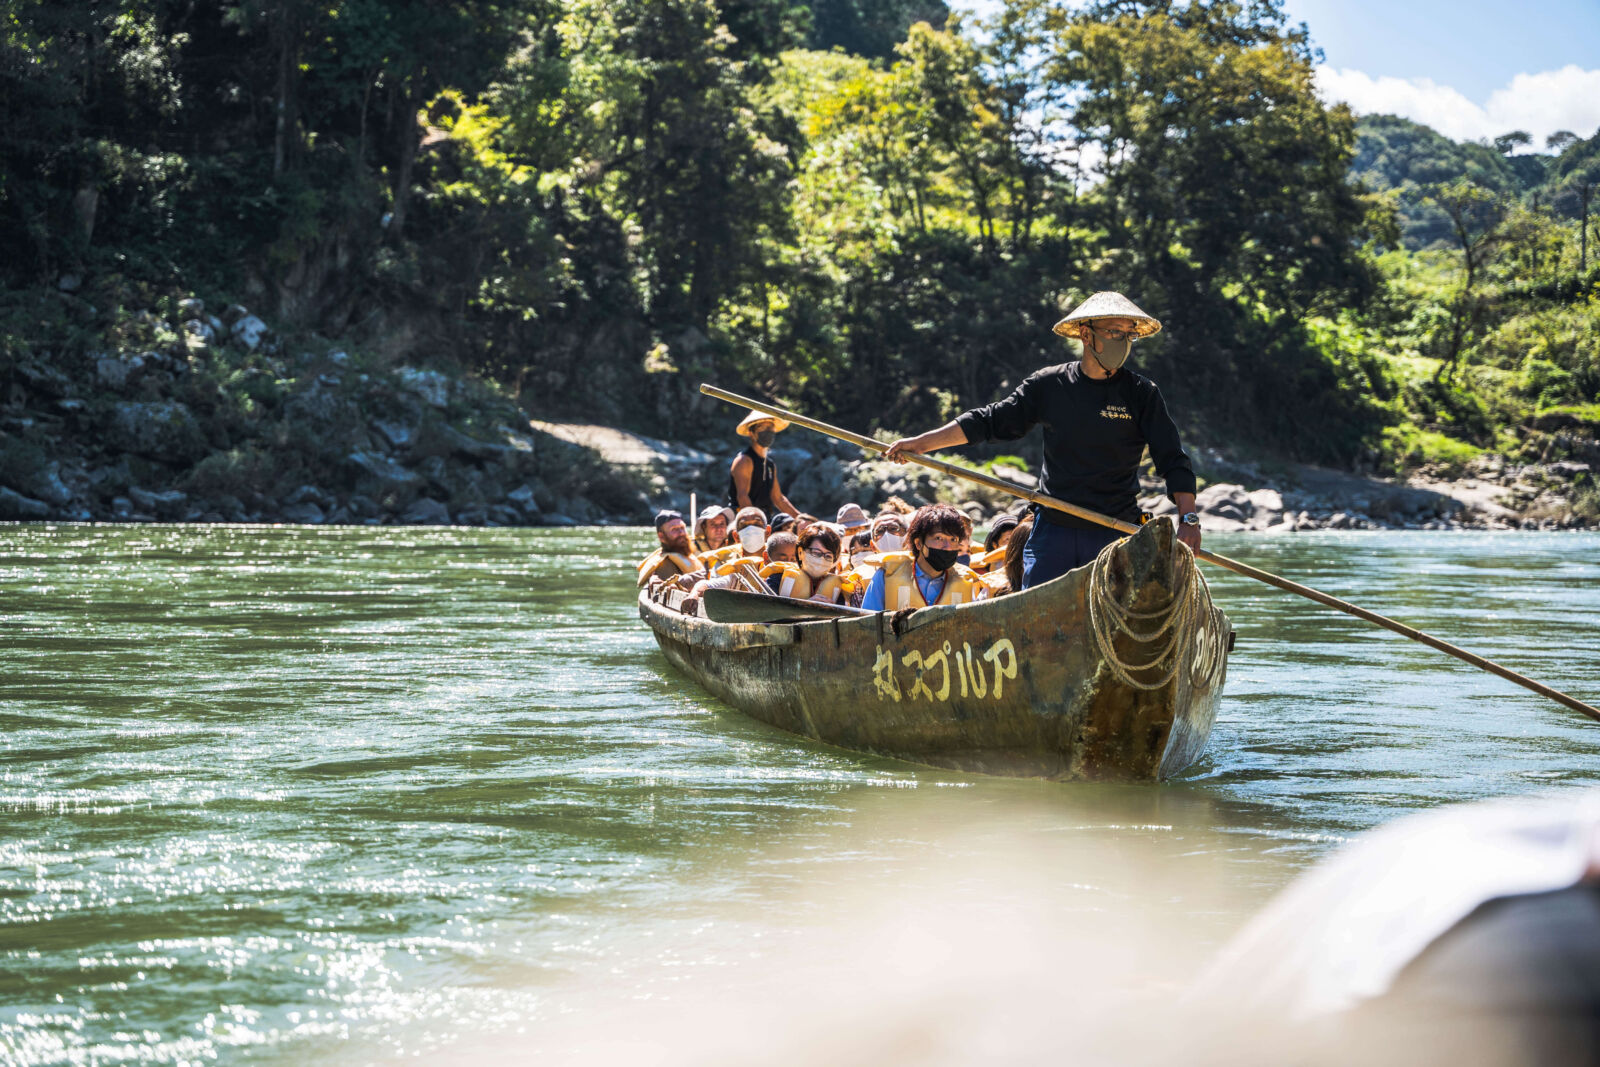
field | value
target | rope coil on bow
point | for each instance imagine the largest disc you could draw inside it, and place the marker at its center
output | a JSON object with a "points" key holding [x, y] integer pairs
{"points": [[1190, 621]]}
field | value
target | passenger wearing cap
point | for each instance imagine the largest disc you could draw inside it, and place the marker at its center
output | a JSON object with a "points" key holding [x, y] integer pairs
{"points": [[712, 530], [672, 556], [1098, 418], [740, 564], [753, 476]]}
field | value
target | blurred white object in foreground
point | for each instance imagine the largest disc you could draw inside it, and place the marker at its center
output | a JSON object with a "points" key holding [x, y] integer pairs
{"points": [[1344, 931]]}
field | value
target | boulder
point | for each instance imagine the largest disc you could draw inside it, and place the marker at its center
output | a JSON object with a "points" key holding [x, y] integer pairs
{"points": [[1223, 494], [163, 430], [44, 483], [384, 474], [249, 331], [430, 386], [201, 331], [43, 378], [112, 372], [1017, 476], [167, 505], [426, 512], [191, 307], [305, 513], [1266, 506], [395, 434], [13, 505], [308, 494], [523, 499]]}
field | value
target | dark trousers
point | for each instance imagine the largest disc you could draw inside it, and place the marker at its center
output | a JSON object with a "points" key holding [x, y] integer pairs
{"points": [[1054, 550]]}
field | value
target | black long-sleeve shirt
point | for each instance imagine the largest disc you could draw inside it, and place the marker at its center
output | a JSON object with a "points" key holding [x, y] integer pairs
{"points": [[1095, 432]]}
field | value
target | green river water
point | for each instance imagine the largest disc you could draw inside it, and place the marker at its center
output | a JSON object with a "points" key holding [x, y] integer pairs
{"points": [[352, 795]]}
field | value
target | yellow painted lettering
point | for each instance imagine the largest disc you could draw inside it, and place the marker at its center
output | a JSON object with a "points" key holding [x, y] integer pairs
{"points": [[883, 676], [1002, 649]]}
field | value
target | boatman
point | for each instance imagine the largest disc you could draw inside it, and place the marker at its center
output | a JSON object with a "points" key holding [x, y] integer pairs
{"points": [[753, 477], [1098, 418]]}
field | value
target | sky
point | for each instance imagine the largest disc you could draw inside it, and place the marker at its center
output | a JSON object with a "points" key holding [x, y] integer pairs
{"points": [[1471, 69]]}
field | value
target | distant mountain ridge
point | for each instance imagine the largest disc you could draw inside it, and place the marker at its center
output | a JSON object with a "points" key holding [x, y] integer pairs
{"points": [[1396, 153]]}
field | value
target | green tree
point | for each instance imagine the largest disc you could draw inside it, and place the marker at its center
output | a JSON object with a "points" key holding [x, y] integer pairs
{"points": [[1477, 218]]}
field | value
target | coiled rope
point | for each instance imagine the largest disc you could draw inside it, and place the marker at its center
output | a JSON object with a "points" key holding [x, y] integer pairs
{"points": [[1190, 622]]}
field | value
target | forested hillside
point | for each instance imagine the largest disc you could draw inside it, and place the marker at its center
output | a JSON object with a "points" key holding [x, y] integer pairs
{"points": [[592, 205]]}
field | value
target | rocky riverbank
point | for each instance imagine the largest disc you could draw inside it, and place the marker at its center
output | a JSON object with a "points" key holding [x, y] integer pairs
{"points": [[188, 415]]}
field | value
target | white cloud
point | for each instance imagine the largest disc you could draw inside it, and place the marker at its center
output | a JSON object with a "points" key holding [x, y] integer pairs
{"points": [[1565, 99]]}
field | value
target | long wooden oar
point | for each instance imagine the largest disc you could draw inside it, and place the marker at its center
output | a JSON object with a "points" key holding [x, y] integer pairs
{"points": [[872, 445]]}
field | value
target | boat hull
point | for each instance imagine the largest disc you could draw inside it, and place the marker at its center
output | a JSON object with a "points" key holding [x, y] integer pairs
{"points": [[1017, 685]]}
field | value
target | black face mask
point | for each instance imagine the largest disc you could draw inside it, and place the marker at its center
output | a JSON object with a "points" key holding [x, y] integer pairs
{"points": [[942, 559], [764, 438]]}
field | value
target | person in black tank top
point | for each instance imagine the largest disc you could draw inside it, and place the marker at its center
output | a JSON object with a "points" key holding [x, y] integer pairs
{"points": [[753, 476]]}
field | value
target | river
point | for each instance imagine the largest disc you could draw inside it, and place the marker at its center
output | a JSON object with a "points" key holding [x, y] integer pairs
{"points": [[352, 795]]}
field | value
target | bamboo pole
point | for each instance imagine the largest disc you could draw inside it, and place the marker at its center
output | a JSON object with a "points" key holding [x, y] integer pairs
{"points": [[873, 445]]}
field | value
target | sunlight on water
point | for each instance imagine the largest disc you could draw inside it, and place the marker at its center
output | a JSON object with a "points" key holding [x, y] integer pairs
{"points": [[355, 795]]}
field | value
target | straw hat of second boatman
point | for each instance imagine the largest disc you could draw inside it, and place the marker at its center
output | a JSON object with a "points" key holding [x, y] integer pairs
{"points": [[758, 416], [1106, 306]]}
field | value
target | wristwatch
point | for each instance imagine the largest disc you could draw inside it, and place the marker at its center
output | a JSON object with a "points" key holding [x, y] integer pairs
{"points": [[1191, 518]]}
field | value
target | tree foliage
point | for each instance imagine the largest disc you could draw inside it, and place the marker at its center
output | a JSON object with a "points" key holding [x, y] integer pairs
{"points": [[872, 209]]}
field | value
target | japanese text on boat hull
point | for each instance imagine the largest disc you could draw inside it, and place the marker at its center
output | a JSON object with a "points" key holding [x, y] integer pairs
{"points": [[945, 672]]}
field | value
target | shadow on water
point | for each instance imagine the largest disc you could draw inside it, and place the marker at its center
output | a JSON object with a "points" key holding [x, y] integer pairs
{"points": [[315, 793]]}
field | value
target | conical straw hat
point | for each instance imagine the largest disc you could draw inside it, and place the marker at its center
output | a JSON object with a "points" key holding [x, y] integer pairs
{"points": [[1107, 306], [759, 416]]}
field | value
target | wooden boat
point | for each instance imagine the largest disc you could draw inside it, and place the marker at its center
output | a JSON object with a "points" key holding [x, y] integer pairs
{"points": [[1111, 672]]}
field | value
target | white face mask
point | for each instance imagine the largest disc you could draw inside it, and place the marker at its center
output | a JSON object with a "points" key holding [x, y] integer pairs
{"points": [[890, 542], [752, 538], [815, 567]]}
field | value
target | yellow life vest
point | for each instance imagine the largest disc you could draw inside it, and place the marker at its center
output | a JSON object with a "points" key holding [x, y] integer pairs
{"points": [[731, 565], [659, 558], [842, 588], [711, 558], [961, 585], [988, 561], [795, 582]]}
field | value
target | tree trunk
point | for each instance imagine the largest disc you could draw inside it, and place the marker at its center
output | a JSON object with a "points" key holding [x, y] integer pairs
{"points": [[288, 68], [1584, 195], [410, 139]]}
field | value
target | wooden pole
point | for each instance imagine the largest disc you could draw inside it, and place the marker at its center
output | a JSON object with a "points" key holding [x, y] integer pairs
{"points": [[874, 445]]}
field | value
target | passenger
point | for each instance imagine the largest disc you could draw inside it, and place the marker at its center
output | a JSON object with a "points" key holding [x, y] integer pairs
{"points": [[748, 539], [859, 548], [965, 559], [712, 529], [860, 564], [888, 533], [819, 560], [851, 520], [1014, 551], [1000, 531], [928, 573], [753, 476], [994, 545], [737, 566], [671, 557], [782, 572], [895, 506], [782, 522], [803, 523]]}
